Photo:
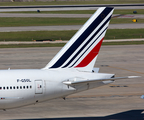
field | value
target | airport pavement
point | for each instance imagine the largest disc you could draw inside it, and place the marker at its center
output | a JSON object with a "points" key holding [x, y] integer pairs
{"points": [[118, 101], [67, 27], [65, 9], [141, 16], [68, 7], [60, 41], [45, 15]]}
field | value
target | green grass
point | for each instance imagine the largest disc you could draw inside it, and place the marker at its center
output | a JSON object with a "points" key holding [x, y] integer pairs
{"points": [[125, 20], [32, 45], [124, 43], [66, 35], [128, 11], [124, 33], [12, 22], [36, 35], [76, 2]]}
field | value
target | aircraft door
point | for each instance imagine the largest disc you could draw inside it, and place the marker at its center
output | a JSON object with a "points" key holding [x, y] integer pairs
{"points": [[38, 87]]}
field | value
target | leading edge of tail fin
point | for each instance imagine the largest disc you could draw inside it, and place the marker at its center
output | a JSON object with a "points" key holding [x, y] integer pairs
{"points": [[83, 48]]}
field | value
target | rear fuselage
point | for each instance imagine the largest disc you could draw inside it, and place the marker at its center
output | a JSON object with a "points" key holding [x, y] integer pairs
{"points": [[24, 87]]}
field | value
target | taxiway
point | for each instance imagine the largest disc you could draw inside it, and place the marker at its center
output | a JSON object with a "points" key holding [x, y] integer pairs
{"points": [[120, 100]]}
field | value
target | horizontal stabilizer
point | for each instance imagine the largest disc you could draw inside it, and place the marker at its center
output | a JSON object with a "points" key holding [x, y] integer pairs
{"points": [[96, 70], [72, 82]]}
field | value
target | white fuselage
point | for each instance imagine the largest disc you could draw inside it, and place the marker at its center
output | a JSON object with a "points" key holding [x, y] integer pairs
{"points": [[25, 87]]}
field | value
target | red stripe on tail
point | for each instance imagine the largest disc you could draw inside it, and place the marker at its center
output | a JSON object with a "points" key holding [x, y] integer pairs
{"points": [[92, 54]]}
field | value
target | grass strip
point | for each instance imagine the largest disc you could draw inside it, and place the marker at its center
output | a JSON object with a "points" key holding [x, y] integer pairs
{"points": [[36, 35], [124, 43], [76, 2], [62, 44], [124, 33], [123, 11], [125, 20], [11, 22], [15, 22], [129, 11], [32, 45], [66, 35]]}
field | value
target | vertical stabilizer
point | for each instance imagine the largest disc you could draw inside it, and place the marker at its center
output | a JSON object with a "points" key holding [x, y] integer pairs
{"points": [[83, 48]]}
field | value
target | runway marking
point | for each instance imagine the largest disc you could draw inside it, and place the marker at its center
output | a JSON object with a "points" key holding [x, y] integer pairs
{"points": [[126, 69]]}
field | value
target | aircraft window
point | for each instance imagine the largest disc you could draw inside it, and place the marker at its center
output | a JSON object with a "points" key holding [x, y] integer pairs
{"points": [[13, 87], [40, 86], [4, 88], [17, 87], [27, 87], [0, 88], [7, 87], [10, 87], [30, 86], [23, 87], [20, 87]]}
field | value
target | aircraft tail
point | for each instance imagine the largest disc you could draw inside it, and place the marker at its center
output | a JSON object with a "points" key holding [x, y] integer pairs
{"points": [[83, 48]]}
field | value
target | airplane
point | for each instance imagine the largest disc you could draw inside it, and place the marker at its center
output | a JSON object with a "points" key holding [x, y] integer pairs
{"points": [[70, 71]]}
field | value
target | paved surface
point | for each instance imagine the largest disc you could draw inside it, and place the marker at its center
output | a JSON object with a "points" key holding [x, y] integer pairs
{"points": [[60, 41], [40, 28], [126, 26], [65, 15], [118, 101], [67, 27], [68, 7], [75, 6], [64, 9], [45, 15]]}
